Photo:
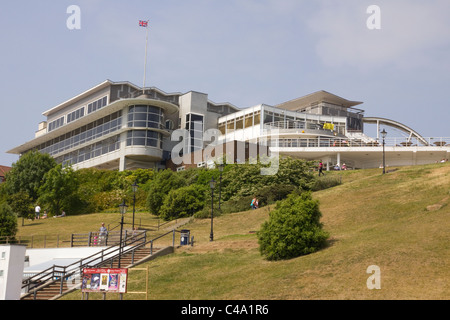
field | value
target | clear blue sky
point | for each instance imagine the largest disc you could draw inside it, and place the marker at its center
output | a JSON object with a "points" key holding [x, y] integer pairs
{"points": [[245, 52]]}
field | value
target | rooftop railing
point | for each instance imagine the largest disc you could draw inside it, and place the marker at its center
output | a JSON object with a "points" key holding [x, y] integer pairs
{"points": [[344, 142]]}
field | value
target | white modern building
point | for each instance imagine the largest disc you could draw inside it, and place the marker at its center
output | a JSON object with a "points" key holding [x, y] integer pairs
{"points": [[117, 125]]}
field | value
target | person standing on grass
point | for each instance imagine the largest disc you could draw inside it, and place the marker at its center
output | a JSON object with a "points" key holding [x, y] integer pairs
{"points": [[253, 203], [103, 233], [321, 168], [37, 212]]}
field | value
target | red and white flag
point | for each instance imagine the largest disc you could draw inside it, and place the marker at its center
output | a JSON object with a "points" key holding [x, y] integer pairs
{"points": [[143, 23]]}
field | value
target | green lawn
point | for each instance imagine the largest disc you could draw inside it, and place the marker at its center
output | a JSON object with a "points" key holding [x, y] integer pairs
{"points": [[57, 231], [373, 219]]}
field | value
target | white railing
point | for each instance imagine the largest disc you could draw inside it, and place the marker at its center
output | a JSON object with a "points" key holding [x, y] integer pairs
{"points": [[344, 142]]}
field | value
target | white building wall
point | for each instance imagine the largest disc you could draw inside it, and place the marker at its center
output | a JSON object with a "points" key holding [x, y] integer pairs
{"points": [[12, 259]]}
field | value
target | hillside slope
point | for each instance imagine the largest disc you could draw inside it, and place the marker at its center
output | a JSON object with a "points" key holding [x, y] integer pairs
{"points": [[373, 219]]}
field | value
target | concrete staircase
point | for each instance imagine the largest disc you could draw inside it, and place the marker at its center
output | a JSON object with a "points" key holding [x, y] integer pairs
{"points": [[52, 289]]}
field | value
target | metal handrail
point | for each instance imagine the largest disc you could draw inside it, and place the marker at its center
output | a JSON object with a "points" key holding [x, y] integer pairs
{"points": [[51, 274], [69, 270]]}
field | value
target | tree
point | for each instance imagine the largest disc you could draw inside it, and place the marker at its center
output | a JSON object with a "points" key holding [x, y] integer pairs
{"points": [[22, 205], [159, 188], [183, 202], [28, 172], [241, 180], [8, 221], [293, 229], [58, 189]]}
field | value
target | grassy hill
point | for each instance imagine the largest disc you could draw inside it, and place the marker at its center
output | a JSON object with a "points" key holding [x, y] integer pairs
{"points": [[399, 222]]}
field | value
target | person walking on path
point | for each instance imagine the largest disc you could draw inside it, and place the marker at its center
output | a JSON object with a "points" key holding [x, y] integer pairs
{"points": [[321, 168]]}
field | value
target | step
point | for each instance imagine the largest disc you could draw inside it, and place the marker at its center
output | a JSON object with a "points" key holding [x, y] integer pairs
{"points": [[53, 290]]}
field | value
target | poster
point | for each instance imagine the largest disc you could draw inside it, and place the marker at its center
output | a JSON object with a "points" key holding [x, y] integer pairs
{"points": [[104, 280]]}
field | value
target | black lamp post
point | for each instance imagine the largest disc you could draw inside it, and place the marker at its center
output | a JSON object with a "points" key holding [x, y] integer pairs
{"points": [[212, 185], [134, 187], [383, 135], [123, 209], [221, 166]]}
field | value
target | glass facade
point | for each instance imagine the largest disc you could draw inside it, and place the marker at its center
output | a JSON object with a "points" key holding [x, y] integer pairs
{"points": [[94, 150], [142, 116], [91, 131], [145, 138], [139, 116], [194, 124]]}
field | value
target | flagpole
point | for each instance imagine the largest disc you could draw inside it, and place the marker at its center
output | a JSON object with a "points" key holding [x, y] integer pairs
{"points": [[145, 63]]}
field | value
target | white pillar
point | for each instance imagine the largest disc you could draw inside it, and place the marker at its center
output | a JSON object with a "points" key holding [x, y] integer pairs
{"points": [[378, 130], [123, 163]]}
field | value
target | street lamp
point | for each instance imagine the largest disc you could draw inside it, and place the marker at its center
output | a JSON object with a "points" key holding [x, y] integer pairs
{"points": [[123, 209], [212, 185], [221, 166], [134, 187], [383, 135]]}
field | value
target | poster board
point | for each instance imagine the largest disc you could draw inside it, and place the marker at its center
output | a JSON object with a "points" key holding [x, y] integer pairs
{"points": [[108, 280]]}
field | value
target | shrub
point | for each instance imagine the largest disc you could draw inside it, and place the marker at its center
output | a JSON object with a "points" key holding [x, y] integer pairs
{"points": [[183, 202], [241, 180], [8, 221], [293, 229], [158, 188], [236, 205], [325, 183], [205, 213], [102, 201], [274, 193]]}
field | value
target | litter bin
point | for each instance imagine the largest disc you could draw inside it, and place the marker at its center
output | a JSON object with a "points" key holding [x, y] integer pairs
{"points": [[184, 238]]}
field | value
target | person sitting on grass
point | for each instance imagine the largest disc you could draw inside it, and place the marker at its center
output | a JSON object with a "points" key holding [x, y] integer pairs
{"points": [[63, 214]]}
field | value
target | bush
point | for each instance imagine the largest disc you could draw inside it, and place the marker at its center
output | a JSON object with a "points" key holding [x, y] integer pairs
{"points": [[183, 202], [236, 205], [158, 188], [102, 201], [241, 180], [205, 213], [274, 193], [8, 221], [293, 229], [325, 183]]}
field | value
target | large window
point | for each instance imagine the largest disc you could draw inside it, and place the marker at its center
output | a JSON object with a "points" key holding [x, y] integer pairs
{"points": [[194, 124], [94, 150], [97, 104], [142, 116], [56, 124], [145, 138], [91, 131], [75, 115]]}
